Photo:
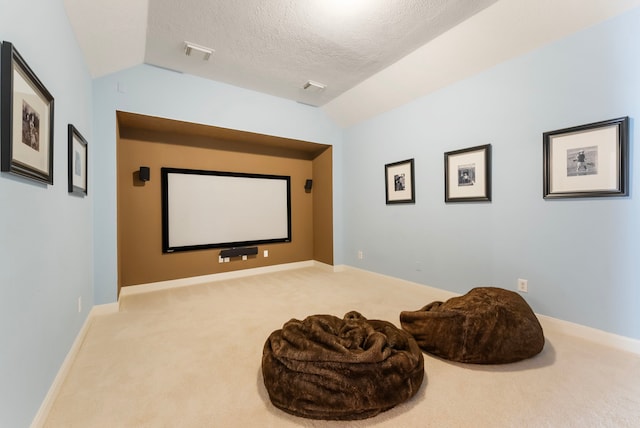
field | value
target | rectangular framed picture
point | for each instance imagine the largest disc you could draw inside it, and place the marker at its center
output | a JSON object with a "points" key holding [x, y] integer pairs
{"points": [[26, 122], [467, 174], [77, 162], [400, 184], [587, 161]]}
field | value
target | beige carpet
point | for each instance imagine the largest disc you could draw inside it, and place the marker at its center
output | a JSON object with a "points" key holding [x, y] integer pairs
{"points": [[190, 357]]}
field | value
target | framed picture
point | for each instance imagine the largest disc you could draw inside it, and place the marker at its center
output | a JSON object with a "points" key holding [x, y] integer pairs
{"points": [[400, 185], [587, 161], [77, 162], [26, 119], [467, 174]]}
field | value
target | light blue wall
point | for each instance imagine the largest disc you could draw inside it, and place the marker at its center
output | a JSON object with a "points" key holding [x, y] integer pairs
{"points": [[580, 256], [45, 233], [157, 92]]}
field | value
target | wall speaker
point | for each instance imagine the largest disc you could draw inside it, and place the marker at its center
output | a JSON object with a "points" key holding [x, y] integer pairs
{"points": [[144, 174], [307, 185]]}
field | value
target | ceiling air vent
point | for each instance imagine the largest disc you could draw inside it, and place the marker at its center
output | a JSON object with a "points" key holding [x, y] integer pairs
{"points": [[313, 87], [191, 47]]}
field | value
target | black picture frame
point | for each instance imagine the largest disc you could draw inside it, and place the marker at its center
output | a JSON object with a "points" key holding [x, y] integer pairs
{"points": [[26, 119], [78, 157], [400, 182], [467, 174], [587, 161]]}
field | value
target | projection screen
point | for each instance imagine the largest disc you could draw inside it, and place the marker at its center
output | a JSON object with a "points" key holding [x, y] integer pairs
{"points": [[216, 209]]}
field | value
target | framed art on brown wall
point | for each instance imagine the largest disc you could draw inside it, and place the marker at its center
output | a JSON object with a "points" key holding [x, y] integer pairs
{"points": [[587, 161], [467, 174], [77, 169], [26, 119]]}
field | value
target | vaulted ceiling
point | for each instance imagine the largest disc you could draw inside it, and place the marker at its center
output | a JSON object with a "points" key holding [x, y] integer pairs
{"points": [[356, 57]]}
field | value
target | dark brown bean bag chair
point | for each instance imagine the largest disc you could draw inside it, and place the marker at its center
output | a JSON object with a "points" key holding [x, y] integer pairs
{"points": [[325, 367], [487, 325]]}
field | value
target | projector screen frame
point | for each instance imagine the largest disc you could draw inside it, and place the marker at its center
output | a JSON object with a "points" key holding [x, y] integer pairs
{"points": [[166, 245]]}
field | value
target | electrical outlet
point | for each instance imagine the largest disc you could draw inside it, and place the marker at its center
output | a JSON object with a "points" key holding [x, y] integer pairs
{"points": [[523, 285], [360, 255], [265, 253], [79, 304]]}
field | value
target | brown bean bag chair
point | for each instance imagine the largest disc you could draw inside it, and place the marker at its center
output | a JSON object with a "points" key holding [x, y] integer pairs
{"points": [[325, 367], [487, 325]]}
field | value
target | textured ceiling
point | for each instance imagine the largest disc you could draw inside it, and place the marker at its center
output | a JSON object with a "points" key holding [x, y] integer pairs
{"points": [[373, 55], [271, 46], [276, 46]]}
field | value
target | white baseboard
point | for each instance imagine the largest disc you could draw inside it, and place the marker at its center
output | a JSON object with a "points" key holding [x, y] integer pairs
{"points": [[194, 280], [45, 407], [340, 268], [108, 308], [604, 338], [442, 294], [325, 267]]}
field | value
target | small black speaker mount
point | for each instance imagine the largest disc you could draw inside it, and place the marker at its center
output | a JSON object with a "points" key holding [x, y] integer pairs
{"points": [[144, 174]]}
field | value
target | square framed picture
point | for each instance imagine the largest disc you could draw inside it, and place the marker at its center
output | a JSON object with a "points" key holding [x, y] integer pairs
{"points": [[77, 162], [587, 161], [26, 128], [467, 174], [400, 184]]}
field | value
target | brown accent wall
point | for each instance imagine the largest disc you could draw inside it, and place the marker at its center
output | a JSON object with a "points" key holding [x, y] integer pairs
{"points": [[157, 143], [323, 207]]}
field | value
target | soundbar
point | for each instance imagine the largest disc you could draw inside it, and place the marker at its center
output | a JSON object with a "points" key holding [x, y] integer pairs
{"points": [[235, 252]]}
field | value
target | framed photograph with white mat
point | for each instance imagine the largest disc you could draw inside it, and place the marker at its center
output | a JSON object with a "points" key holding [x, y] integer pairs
{"points": [[467, 174], [400, 182], [77, 171], [26, 128], [587, 161]]}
